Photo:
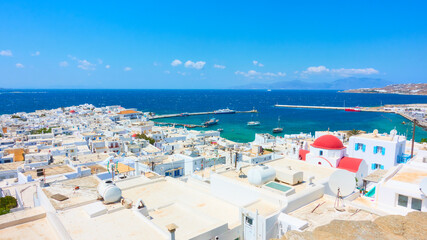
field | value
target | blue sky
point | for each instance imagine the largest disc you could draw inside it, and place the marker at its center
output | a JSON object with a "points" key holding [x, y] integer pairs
{"points": [[215, 44]]}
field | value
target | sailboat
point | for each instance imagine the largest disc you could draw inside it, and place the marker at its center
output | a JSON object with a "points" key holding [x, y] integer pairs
{"points": [[278, 129]]}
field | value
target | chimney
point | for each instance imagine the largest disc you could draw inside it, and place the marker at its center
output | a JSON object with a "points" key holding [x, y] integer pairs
{"points": [[172, 228]]}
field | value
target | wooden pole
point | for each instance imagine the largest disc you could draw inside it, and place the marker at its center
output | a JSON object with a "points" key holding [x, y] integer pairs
{"points": [[413, 138]]}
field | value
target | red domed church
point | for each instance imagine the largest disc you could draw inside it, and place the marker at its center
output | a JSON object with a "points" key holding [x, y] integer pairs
{"points": [[329, 151]]}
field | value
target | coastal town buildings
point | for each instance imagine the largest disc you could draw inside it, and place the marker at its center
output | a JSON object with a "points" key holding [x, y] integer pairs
{"points": [[80, 168]]}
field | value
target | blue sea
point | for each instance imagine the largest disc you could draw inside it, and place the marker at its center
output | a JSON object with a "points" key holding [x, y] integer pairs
{"points": [[234, 125]]}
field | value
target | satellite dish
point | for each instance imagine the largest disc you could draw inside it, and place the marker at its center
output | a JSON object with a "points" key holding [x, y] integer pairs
{"points": [[375, 132], [342, 181], [423, 186]]}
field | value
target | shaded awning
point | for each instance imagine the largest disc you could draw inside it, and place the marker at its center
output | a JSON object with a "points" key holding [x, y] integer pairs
{"points": [[171, 170], [375, 176]]}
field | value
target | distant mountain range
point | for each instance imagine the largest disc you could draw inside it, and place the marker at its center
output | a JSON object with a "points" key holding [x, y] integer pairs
{"points": [[340, 84]]}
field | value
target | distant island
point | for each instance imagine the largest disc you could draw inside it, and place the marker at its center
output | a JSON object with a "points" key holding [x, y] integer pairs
{"points": [[405, 89], [340, 84]]}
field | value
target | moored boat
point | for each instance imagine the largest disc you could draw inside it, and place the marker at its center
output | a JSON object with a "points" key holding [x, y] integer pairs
{"points": [[254, 123], [278, 129], [211, 122], [224, 111], [355, 109]]}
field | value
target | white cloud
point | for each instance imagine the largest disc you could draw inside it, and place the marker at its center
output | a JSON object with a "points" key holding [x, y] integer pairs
{"points": [[63, 64], [256, 63], [355, 71], [167, 72], [19, 65], [182, 73], [126, 69], [35, 54], [253, 73], [107, 66], [278, 74], [341, 71], [85, 65], [99, 61], [250, 73], [219, 66], [197, 65], [176, 62], [319, 69], [72, 57], [7, 53]]}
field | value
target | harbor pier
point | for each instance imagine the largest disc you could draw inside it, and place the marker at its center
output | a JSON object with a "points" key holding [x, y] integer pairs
{"points": [[194, 114]]}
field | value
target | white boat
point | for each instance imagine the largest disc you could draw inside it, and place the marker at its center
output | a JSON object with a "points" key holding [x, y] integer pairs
{"points": [[269, 90], [254, 123], [278, 129], [224, 111]]}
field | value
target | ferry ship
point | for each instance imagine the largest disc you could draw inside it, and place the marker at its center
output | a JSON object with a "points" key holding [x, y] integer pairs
{"points": [[211, 122], [224, 111], [355, 109]]}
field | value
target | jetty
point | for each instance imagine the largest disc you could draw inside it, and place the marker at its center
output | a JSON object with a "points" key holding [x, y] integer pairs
{"points": [[180, 124], [193, 114], [364, 109]]}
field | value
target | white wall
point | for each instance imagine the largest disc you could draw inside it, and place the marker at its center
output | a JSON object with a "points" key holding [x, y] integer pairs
{"points": [[393, 150]]}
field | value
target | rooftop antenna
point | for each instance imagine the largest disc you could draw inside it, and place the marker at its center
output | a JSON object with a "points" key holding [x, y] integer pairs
{"points": [[342, 183]]}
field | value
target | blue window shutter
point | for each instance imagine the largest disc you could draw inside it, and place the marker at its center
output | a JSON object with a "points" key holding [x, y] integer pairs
{"points": [[373, 166], [356, 147], [383, 151], [363, 147], [382, 167], [375, 149]]}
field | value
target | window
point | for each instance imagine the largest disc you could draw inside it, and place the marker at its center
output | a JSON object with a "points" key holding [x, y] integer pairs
{"points": [[416, 204], [320, 153], [376, 166], [379, 149], [402, 201], [360, 146]]}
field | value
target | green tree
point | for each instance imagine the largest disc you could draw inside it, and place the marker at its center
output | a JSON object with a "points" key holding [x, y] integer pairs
{"points": [[143, 136], [7, 203], [41, 130], [353, 132]]}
